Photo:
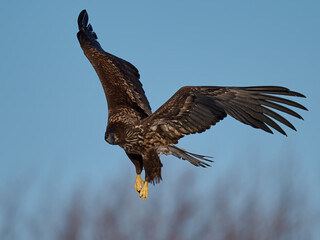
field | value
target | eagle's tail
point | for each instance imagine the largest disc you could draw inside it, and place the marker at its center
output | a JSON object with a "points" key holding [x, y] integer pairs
{"points": [[195, 159]]}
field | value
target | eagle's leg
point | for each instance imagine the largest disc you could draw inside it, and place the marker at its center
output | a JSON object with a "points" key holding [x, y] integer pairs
{"points": [[138, 184], [137, 161], [144, 191], [152, 167]]}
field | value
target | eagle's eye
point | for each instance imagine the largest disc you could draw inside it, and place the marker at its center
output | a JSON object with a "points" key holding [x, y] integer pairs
{"points": [[111, 138]]}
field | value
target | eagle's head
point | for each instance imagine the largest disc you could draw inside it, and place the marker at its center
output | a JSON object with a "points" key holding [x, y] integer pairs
{"points": [[111, 138]]}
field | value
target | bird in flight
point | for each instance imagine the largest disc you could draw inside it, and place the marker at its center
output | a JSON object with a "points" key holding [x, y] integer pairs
{"points": [[144, 135]]}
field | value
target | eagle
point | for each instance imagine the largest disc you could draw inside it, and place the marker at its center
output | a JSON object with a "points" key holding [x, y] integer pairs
{"points": [[145, 136]]}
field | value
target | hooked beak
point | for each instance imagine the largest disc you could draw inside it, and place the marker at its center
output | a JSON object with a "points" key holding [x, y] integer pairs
{"points": [[110, 138]]}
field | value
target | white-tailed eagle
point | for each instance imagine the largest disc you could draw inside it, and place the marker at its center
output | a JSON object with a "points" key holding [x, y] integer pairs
{"points": [[193, 109]]}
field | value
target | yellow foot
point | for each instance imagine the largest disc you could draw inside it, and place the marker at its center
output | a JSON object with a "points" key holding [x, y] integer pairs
{"points": [[138, 184], [144, 191]]}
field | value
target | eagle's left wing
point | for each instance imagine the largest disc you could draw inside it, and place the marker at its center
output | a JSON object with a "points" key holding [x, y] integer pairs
{"points": [[119, 78], [196, 109]]}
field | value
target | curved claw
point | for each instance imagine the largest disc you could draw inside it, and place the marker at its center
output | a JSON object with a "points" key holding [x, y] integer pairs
{"points": [[144, 191], [138, 183]]}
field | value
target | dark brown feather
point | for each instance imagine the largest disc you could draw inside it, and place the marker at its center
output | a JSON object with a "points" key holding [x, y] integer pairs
{"points": [[119, 78], [196, 109]]}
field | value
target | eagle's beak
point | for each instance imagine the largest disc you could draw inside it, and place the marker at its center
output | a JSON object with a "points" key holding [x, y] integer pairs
{"points": [[111, 139]]}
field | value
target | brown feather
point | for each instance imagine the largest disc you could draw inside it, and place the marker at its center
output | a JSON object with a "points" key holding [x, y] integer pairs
{"points": [[203, 107], [119, 78]]}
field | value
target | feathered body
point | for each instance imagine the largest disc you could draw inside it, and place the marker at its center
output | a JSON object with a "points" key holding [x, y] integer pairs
{"points": [[193, 109]]}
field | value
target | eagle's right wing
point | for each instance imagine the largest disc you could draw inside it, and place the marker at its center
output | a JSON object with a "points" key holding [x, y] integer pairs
{"points": [[119, 78], [196, 109]]}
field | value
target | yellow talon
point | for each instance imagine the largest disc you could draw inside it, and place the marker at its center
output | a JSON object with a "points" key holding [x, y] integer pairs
{"points": [[144, 191], [138, 184]]}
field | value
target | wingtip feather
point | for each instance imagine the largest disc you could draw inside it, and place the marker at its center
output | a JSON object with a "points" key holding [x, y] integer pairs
{"points": [[83, 19]]}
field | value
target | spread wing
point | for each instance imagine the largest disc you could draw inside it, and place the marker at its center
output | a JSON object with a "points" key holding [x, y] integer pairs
{"points": [[119, 78], [196, 109]]}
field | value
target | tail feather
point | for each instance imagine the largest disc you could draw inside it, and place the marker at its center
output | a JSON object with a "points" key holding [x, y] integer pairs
{"points": [[195, 159]]}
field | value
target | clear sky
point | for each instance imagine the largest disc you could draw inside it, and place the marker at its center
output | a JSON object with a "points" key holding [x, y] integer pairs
{"points": [[53, 109]]}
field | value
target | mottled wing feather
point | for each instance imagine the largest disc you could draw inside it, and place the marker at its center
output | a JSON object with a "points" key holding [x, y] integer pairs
{"points": [[119, 78], [195, 109]]}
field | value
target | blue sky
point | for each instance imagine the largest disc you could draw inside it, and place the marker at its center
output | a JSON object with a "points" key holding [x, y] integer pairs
{"points": [[53, 109]]}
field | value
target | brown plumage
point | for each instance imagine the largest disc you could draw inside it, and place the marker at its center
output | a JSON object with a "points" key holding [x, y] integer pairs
{"points": [[145, 135]]}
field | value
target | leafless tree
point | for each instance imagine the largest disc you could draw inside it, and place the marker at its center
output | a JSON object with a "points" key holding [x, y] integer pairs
{"points": [[258, 207]]}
